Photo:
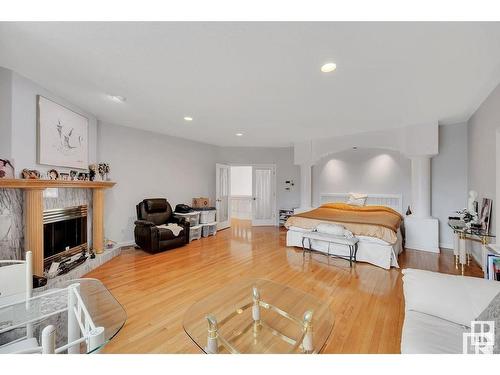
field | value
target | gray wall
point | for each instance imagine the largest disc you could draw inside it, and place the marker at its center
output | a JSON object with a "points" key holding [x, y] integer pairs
{"points": [[285, 169], [482, 148], [147, 165], [24, 151], [449, 178], [372, 171], [5, 113]]}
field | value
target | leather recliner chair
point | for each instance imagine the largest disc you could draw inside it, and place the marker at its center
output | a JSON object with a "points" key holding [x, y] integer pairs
{"points": [[150, 214]]}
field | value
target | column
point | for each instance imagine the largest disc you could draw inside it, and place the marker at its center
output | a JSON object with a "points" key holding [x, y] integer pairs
{"points": [[422, 230], [421, 186], [98, 220], [305, 187], [33, 235]]}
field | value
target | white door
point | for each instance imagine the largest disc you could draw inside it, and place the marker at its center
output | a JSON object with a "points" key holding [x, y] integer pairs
{"points": [[264, 195], [222, 185]]}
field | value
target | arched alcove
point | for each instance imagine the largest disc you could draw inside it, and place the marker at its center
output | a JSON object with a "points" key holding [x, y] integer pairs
{"points": [[363, 170]]}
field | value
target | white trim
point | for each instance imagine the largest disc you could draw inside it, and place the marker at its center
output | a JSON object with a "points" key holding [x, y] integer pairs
{"points": [[394, 201], [275, 187], [447, 246]]}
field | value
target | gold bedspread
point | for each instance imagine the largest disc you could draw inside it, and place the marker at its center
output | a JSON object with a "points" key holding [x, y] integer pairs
{"points": [[373, 221]]}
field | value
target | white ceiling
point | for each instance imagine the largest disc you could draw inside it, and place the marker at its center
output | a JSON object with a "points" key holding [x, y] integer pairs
{"points": [[261, 79]]}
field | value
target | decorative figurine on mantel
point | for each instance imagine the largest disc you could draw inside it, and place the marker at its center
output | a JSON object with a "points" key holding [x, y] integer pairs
{"points": [[32, 174], [92, 172]]}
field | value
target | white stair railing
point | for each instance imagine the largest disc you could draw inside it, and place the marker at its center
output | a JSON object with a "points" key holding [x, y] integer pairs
{"points": [[81, 327]]}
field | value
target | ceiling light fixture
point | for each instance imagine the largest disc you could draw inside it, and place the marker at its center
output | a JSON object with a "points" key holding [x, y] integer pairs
{"points": [[328, 67], [239, 134], [187, 118], [117, 98]]}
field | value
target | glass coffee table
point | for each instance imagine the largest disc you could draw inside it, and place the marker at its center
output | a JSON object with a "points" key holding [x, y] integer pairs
{"points": [[259, 316]]}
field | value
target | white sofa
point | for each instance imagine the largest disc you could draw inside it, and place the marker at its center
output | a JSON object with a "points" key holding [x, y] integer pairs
{"points": [[439, 308]]}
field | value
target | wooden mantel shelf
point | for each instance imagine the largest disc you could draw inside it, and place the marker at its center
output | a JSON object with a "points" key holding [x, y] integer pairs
{"points": [[19, 183], [33, 212]]}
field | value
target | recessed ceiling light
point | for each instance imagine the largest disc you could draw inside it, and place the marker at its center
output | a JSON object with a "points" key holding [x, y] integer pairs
{"points": [[117, 98], [187, 118], [328, 67], [354, 148], [239, 134]]}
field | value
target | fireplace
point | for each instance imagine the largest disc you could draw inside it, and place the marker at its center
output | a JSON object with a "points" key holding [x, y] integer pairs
{"points": [[64, 233]]}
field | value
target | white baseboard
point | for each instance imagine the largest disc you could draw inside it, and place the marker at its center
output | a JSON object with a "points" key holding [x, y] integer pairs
{"points": [[126, 243], [448, 246]]}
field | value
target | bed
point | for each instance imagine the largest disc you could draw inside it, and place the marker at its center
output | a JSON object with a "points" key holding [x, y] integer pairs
{"points": [[379, 245]]}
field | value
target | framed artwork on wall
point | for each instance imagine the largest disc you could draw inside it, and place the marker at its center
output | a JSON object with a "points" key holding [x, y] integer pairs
{"points": [[485, 217], [62, 135]]}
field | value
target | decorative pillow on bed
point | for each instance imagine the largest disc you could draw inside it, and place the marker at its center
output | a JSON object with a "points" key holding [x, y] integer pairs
{"points": [[334, 230], [357, 199]]}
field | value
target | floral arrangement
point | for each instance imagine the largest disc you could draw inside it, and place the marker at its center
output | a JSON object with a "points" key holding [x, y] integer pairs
{"points": [[103, 169], [468, 216]]}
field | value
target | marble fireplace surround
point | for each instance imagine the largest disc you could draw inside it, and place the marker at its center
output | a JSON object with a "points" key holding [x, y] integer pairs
{"points": [[22, 204]]}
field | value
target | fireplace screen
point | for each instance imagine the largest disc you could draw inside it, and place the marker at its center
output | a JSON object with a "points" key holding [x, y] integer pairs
{"points": [[64, 232]]}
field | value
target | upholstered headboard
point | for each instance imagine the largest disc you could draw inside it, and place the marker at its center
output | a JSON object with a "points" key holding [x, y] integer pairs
{"points": [[394, 201]]}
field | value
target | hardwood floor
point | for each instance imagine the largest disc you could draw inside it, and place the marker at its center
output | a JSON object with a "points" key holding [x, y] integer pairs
{"points": [[156, 290]]}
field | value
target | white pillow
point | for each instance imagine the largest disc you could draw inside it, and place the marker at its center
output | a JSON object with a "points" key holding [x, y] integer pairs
{"points": [[357, 199], [334, 229]]}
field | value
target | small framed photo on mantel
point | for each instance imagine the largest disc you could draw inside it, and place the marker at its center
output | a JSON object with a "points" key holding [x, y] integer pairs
{"points": [[6, 168], [62, 135]]}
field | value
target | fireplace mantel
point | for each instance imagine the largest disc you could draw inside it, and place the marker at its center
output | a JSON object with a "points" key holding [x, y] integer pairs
{"points": [[44, 184], [33, 212]]}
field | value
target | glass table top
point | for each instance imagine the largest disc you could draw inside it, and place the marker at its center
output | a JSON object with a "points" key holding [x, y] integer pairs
{"points": [[460, 226], [51, 307], [259, 316]]}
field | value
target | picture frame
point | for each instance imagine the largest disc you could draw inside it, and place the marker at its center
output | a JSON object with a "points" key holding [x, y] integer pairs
{"points": [[7, 169], [485, 216], [62, 135]]}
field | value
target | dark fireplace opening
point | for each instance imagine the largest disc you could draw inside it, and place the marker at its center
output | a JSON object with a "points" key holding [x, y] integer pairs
{"points": [[64, 233]]}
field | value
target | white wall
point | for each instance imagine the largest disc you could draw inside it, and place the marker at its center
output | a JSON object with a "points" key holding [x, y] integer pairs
{"points": [[150, 165], [449, 178], [364, 171], [285, 169], [24, 151], [482, 127], [5, 113]]}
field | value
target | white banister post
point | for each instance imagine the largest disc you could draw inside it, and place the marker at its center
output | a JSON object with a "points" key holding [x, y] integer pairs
{"points": [[73, 326], [49, 340], [305, 187], [96, 340], [29, 288], [421, 186]]}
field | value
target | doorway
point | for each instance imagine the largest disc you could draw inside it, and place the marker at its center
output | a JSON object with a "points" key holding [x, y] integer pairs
{"points": [[246, 192]]}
